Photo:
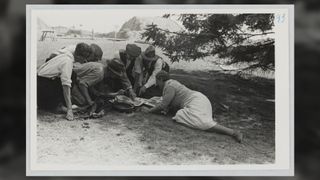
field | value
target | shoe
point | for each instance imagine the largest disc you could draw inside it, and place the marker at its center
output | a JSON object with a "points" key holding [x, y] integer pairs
{"points": [[61, 109]]}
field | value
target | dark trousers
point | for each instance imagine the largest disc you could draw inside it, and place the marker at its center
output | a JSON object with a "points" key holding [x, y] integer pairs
{"points": [[49, 93], [114, 84]]}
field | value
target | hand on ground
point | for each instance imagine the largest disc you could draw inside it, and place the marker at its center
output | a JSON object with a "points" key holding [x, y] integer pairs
{"points": [[142, 90], [69, 115], [93, 109], [132, 95]]}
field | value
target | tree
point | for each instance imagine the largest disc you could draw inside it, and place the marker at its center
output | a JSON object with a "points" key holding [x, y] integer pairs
{"points": [[237, 38]]}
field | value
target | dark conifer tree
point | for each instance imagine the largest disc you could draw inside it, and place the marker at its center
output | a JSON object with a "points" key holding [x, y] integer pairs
{"points": [[236, 38]]}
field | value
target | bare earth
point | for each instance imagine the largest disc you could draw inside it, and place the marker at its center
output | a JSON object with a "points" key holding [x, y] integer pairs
{"points": [[146, 139]]}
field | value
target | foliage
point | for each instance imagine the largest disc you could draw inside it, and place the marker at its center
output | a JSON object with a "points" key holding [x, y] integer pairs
{"points": [[236, 37]]}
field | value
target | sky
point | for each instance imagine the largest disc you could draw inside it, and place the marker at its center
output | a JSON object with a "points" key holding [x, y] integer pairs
{"points": [[100, 20], [105, 19]]}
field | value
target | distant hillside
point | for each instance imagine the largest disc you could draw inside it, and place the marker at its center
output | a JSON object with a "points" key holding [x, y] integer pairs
{"points": [[136, 25]]}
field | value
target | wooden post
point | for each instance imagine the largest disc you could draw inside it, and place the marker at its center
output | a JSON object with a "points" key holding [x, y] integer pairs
{"points": [[44, 34]]}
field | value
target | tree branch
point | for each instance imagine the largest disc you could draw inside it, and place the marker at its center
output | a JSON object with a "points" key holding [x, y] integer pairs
{"points": [[210, 35], [184, 34], [260, 34], [251, 37]]}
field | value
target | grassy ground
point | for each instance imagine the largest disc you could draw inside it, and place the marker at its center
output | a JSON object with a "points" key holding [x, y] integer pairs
{"points": [[138, 138]]}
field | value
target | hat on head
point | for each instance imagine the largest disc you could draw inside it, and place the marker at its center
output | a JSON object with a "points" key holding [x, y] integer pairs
{"points": [[150, 54], [133, 50], [116, 67]]}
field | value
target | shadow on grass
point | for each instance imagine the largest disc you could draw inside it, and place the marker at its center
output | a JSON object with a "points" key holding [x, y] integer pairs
{"points": [[231, 93], [173, 144], [249, 111]]}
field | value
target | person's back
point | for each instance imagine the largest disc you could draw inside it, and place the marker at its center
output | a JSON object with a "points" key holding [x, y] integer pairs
{"points": [[67, 49], [59, 66], [182, 93], [86, 69]]}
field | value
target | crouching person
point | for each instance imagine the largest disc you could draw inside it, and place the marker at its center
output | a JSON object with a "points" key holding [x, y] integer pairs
{"points": [[115, 80], [195, 108], [54, 79], [132, 61], [88, 75], [152, 64]]}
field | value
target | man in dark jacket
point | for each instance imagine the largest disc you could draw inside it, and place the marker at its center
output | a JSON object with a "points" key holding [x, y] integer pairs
{"points": [[152, 64]]}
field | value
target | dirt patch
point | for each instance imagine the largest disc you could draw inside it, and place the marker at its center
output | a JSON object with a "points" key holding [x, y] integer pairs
{"points": [[144, 139], [147, 139], [140, 139]]}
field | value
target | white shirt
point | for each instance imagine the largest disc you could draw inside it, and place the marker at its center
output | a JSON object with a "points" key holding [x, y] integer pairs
{"points": [[68, 49], [157, 68], [59, 66]]}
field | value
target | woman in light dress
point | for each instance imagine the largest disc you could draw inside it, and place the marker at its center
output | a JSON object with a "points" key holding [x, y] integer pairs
{"points": [[195, 108]]}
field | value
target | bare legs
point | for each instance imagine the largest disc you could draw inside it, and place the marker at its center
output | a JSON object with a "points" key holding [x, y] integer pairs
{"points": [[226, 131]]}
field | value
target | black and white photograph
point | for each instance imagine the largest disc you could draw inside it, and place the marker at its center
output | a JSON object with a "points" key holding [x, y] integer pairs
{"points": [[136, 90]]}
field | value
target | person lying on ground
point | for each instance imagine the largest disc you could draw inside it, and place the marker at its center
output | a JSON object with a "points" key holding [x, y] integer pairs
{"points": [[55, 79], [195, 109], [152, 64]]}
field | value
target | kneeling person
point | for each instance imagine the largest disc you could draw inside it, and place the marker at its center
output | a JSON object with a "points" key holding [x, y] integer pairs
{"points": [[88, 75], [55, 79], [152, 64], [116, 79]]}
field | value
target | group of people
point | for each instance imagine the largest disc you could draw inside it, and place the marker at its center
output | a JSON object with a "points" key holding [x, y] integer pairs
{"points": [[77, 75]]}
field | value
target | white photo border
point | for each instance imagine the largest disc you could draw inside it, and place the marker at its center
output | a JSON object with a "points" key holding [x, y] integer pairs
{"points": [[284, 99]]}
